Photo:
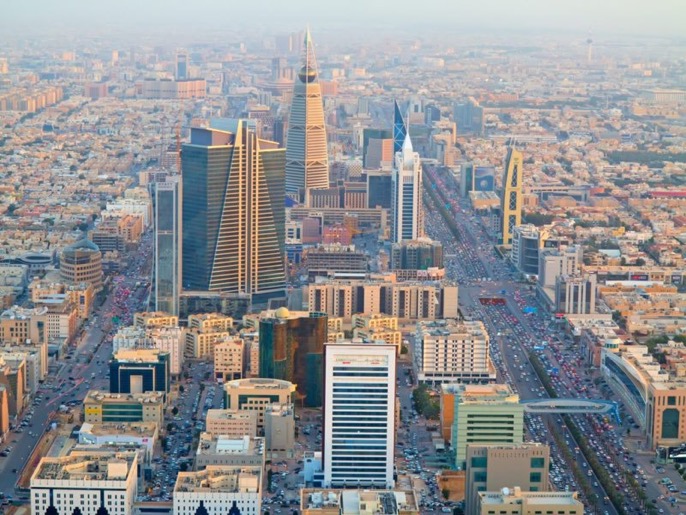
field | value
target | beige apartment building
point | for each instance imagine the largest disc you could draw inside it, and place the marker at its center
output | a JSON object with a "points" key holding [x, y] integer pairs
{"points": [[229, 359], [150, 319], [231, 422], [492, 467], [255, 394]]}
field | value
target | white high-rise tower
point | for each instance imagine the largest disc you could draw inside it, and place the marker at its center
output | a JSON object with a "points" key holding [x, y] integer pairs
{"points": [[359, 414], [307, 158], [406, 197]]}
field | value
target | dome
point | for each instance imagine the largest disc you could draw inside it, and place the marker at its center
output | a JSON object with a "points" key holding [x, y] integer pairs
{"points": [[282, 313], [83, 244], [307, 74]]}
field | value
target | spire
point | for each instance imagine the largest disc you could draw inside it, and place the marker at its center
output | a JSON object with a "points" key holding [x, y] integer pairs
{"points": [[407, 145], [399, 128]]}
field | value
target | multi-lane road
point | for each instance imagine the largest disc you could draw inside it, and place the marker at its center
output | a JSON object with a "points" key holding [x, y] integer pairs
{"points": [[87, 365]]}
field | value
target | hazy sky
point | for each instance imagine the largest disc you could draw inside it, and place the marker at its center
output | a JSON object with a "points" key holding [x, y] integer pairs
{"points": [[601, 17]]}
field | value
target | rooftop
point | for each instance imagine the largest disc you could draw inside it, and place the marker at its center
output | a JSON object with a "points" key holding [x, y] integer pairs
{"points": [[359, 502], [220, 479], [87, 466], [516, 496], [97, 396], [221, 444]]}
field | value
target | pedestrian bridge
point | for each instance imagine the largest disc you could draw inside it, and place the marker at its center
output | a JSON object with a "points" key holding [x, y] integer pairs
{"points": [[571, 406]]}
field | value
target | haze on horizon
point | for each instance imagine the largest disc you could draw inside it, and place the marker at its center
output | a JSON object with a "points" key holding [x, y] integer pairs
{"points": [[662, 19]]}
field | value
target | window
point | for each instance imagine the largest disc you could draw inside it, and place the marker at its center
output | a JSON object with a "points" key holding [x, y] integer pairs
{"points": [[671, 401], [535, 477], [537, 463], [479, 462], [480, 477]]}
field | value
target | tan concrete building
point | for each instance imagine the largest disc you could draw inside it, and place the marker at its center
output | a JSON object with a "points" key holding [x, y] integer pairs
{"points": [[13, 378], [517, 502], [4, 412], [150, 319], [229, 359], [255, 394], [358, 502], [17, 325], [233, 423], [81, 262], [200, 343], [492, 467], [450, 351], [279, 430], [211, 321], [229, 451]]}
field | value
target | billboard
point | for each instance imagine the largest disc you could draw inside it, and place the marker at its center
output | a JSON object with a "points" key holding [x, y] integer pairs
{"points": [[484, 178]]}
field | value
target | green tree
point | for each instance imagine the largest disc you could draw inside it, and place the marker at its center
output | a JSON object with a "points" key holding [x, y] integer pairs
{"points": [[446, 493], [175, 411]]}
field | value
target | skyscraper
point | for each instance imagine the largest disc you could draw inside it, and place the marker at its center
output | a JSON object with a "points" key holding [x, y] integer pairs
{"points": [[511, 206], [291, 348], [406, 200], [359, 414], [307, 159], [233, 213], [399, 128], [181, 71], [167, 245]]}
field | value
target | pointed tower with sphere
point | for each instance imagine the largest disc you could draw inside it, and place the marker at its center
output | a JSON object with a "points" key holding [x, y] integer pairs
{"points": [[307, 158]]}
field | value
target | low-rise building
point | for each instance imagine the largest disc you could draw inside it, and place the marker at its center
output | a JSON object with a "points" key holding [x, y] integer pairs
{"points": [[101, 407], [517, 502], [229, 359], [219, 489], [233, 423], [279, 430], [135, 434], [358, 502], [226, 451], [89, 481], [255, 394], [492, 467]]}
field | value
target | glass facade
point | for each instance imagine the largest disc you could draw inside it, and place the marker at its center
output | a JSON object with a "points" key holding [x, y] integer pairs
{"points": [[291, 349], [167, 246], [234, 214]]}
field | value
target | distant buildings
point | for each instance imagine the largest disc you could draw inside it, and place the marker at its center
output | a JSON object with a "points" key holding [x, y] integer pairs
{"points": [[359, 415], [173, 89], [307, 158], [233, 213]]}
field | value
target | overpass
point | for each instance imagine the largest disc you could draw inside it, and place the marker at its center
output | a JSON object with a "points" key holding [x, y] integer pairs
{"points": [[570, 406]]}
